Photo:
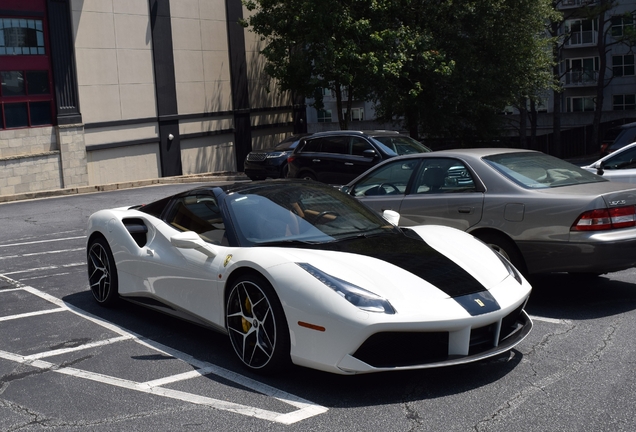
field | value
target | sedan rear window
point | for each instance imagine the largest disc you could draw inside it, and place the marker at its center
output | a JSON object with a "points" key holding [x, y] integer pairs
{"points": [[540, 171]]}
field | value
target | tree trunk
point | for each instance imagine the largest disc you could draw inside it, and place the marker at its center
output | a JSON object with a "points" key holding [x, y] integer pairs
{"points": [[600, 86], [523, 119]]}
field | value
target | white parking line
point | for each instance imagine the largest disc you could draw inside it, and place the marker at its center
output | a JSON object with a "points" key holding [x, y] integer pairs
{"points": [[30, 314], [549, 320], [42, 241], [50, 252], [45, 268], [305, 408]]}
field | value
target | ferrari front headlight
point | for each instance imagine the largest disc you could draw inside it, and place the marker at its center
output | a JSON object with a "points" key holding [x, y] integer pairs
{"points": [[512, 271], [359, 297]]}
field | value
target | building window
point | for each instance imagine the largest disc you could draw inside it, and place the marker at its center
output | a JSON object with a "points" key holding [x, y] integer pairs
{"points": [[26, 96], [624, 102], [21, 37], [582, 71], [620, 23], [581, 32], [623, 65], [324, 116], [357, 114], [580, 104]]}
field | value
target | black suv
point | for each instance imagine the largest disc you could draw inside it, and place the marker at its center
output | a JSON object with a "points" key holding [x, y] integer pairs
{"points": [[338, 157], [260, 164]]}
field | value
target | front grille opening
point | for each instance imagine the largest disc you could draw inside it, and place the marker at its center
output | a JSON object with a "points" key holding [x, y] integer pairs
{"points": [[511, 324], [482, 339], [394, 349]]}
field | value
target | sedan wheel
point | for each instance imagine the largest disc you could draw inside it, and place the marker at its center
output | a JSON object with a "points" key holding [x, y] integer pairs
{"points": [[102, 273], [256, 325], [506, 247]]}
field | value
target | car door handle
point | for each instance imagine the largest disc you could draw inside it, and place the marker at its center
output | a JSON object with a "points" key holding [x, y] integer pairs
{"points": [[348, 163], [150, 252], [465, 210], [315, 160]]}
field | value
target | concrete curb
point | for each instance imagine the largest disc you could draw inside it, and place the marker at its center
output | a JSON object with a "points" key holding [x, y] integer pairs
{"points": [[194, 178]]}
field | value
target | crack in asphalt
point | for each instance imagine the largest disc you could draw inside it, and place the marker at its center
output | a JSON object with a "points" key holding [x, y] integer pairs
{"points": [[518, 399]]}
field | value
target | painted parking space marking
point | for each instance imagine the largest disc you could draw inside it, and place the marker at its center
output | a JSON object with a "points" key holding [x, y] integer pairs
{"points": [[304, 408], [52, 252], [45, 268], [548, 320], [30, 314], [41, 241]]}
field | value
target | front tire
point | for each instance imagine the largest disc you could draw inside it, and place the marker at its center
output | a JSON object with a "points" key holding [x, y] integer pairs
{"points": [[102, 272], [256, 325]]}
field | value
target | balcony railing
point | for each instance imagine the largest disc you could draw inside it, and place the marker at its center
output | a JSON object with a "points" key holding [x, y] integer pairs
{"points": [[584, 38], [581, 78], [569, 4]]}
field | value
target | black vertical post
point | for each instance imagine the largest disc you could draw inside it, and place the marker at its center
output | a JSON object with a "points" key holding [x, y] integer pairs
{"points": [[238, 73], [63, 62], [165, 88]]}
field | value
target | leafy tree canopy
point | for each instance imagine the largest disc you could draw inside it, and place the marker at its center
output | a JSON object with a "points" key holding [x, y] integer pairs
{"points": [[439, 66]]}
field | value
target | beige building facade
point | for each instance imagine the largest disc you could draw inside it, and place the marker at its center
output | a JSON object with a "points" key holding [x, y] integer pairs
{"points": [[106, 91]]}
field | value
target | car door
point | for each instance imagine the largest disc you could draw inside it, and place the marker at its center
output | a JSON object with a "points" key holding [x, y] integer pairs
{"points": [[185, 278], [362, 157], [444, 191], [329, 164], [621, 167], [384, 187]]}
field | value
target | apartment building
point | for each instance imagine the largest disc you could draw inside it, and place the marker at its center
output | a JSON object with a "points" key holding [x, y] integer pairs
{"points": [[105, 91]]}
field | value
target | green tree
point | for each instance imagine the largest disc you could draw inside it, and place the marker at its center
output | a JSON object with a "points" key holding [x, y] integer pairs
{"points": [[438, 67]]}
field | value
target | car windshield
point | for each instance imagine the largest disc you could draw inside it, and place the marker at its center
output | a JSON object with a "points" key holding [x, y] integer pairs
{"points": [[535, 170], [288, 213], [401, 144]]}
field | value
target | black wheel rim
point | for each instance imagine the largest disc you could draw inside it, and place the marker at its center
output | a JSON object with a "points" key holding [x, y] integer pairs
{"points": [[99, 274], [251, 324]]}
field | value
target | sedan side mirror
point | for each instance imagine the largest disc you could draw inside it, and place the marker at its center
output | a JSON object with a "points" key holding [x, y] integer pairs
{"points": [[370, 153], [600, 169]]}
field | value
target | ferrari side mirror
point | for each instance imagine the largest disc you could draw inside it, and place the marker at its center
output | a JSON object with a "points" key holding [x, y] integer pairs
{"points": [[392, 216]]}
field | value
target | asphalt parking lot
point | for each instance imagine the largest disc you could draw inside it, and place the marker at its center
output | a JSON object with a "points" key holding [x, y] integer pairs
{"points": [[68, 364]]}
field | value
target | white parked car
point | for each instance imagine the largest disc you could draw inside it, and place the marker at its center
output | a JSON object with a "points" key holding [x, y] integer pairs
{"points": [[300, 272], [619, 166]]}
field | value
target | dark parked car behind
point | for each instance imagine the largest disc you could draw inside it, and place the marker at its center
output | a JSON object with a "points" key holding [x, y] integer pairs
{"points": [[272, 162], [618, 137], [338, 157]]}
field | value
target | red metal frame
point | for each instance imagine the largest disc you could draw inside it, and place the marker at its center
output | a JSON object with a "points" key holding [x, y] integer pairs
{"points": [[26, 63]]}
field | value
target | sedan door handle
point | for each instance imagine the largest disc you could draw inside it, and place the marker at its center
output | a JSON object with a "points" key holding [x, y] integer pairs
{"points": [[348, 163], [465, 210], [315, 160]]}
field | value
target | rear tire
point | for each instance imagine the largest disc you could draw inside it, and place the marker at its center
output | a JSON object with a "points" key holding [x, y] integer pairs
{"points": [[505, 247], [307, 176], [102, 272]]}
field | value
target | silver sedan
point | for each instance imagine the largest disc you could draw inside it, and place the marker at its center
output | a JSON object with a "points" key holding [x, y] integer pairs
{"points": [[544, 214]]}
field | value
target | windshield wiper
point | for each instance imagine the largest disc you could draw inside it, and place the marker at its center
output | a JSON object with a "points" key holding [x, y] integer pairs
{"points": [[289, 242]]}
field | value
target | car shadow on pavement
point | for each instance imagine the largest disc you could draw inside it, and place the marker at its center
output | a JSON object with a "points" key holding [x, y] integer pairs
{"points": [[326, 389], [582, 297]]}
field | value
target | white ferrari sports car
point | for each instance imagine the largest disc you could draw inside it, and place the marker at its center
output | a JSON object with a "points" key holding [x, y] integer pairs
{"points": [[297, 271]]}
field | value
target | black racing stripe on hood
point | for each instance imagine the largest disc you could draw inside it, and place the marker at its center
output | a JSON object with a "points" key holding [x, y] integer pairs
{"points": [[409, 252]]}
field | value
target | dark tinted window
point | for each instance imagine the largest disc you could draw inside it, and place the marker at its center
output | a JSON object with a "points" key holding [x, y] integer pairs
{"points": [[359, 145], [198, 213], [312, 146], [443, 176], [337, 145]]}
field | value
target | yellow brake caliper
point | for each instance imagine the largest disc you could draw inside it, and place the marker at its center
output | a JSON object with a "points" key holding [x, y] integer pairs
{"points": [[248, 309]]}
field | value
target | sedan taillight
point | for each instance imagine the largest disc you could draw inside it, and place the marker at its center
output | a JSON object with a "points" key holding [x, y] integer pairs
{"points": [[606, 219]]}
